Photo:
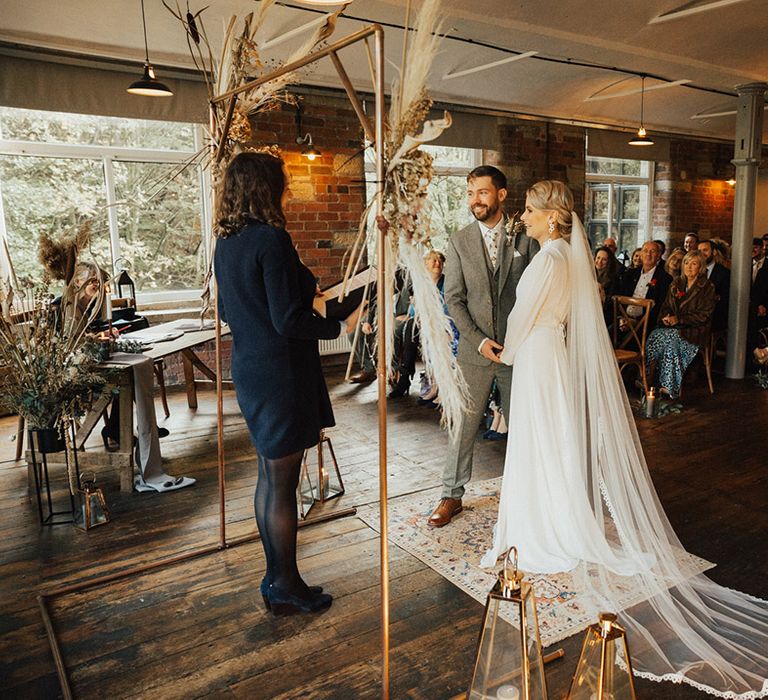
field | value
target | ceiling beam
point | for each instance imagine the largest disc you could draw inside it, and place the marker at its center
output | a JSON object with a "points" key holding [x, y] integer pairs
{"points": [[286, 36], [596, 96], [692, 8], [486, 66]]}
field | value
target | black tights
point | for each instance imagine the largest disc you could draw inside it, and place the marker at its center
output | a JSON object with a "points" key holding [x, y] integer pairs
{"points": [[275, 507]]}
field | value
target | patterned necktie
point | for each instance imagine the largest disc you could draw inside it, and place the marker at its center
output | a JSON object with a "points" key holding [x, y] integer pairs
{"points": [[492, 244]]}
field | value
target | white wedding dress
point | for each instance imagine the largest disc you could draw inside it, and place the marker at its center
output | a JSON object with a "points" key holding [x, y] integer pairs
{"points": [[577, 496], [543, 508]]}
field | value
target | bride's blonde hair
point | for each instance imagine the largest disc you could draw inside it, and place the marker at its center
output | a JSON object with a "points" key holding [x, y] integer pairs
{"points": [[553, 195]]}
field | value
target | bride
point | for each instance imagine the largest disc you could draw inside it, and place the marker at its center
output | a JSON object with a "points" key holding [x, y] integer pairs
{"points": [[578, 497]]}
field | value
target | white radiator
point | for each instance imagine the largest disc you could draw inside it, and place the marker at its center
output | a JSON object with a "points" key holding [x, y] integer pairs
{"points": [[337, 346]]}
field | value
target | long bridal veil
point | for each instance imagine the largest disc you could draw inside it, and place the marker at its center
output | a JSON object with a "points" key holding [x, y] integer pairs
{"points": [[686, 628]]}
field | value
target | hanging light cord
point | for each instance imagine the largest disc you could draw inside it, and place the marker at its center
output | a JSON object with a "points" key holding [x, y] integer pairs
{"points": [[144, 25], [642, 98]]}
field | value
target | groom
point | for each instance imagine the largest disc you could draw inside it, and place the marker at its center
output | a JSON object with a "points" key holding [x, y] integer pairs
{"points": [[483, 265]]}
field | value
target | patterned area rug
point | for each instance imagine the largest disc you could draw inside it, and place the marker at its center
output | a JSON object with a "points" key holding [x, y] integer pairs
{"points": [[455, 551]]}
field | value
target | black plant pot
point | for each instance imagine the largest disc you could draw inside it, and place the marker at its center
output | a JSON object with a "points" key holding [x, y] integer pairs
{"points": [[49, 440]]}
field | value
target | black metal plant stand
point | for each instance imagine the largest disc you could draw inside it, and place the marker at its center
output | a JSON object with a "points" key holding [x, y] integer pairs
{"points": [[43, 442]]}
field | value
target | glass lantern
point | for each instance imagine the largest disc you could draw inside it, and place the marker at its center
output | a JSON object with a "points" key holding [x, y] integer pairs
{"points": [[93, 507], [509, 665], [604, 671]]}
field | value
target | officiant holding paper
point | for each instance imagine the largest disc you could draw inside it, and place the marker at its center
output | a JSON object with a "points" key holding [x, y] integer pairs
{"points": [[266, 295]]}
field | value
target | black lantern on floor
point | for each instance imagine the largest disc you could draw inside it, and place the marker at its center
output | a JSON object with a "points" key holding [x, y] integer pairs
{"points": [[509, 665]]}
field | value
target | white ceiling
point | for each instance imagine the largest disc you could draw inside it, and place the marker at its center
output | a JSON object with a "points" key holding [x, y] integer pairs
{"points": [[722, 44]]}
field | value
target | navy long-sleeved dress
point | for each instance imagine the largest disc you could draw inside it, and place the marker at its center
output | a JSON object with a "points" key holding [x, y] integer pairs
{"points": [[265, 295]]}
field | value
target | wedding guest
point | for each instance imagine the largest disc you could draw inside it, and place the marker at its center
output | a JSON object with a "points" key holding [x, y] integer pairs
{"points": [[409, 331], [484, 263], [720, 276], [758, 257], [83, 298], [637, 258], [83, 303], [722, 252], [758, 301], [610, 243], [265, 294], [662, 245], [674, 265], [607, 272], [686, 317], [691, 241], [649, 281]]}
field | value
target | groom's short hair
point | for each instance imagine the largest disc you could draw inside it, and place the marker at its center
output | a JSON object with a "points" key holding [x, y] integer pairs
{"points": [[498, 178]]}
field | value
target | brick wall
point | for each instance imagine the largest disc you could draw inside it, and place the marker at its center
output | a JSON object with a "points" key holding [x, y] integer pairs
{"points": [[690, 192], [530, 151], [329, 192]]}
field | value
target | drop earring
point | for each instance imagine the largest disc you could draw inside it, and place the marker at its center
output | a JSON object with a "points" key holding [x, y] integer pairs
{"points": [[551, 227]]}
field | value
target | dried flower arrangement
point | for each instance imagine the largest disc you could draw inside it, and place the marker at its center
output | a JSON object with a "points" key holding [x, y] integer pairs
{"points": [[406, 208], [49, 363], [239, 63]]}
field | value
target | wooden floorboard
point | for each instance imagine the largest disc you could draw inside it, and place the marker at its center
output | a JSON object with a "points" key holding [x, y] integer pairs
{"points": [[199, 629]]}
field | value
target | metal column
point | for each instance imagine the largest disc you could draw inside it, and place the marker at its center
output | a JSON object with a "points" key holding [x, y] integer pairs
{"points": [[747, 153]]}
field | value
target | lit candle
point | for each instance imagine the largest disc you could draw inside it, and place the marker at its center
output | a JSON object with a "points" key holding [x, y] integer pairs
{"points": [[507, 692], [650, 402], [108, 301]]}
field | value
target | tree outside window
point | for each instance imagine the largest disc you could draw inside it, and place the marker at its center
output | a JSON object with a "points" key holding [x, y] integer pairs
{"points": [[59, 170]]}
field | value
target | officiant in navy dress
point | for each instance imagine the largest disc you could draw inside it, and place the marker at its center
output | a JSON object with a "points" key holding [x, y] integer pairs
{"points": [[265, 294]]}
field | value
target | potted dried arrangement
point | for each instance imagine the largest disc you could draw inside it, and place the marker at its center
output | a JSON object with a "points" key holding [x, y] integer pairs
{"points": [[48, 376]]}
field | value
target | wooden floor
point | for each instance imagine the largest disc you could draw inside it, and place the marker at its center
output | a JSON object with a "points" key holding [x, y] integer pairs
{"points": [[198, 629]]}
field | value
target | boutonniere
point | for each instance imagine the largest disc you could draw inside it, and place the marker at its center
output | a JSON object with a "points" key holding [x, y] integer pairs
{"points": [[652, 283], [512, 227], [680, 293]]}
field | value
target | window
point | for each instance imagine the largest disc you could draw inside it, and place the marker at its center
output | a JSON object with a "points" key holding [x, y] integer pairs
{"points": [[127, 177], [618, 201], [447, 192]]}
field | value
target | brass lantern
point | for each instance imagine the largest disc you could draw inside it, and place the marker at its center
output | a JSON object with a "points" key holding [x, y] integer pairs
{"points": [[603, 673], [93, 507], [509, 665]]}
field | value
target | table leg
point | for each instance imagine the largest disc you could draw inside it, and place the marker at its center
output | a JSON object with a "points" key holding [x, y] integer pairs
{"points": [[189, 380], [126, 434]]}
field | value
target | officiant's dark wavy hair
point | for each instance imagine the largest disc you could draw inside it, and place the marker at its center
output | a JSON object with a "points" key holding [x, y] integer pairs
{"points": [[251, 190]]}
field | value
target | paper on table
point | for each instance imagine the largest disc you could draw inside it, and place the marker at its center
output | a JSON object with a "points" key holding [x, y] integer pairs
{"points": [[149, 337], [188, 324]]}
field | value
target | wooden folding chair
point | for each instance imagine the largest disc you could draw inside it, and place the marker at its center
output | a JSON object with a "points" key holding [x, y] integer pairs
{"points": [[630, 333]]}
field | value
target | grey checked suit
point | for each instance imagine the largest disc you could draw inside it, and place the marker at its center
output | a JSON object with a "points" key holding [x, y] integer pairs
{"points": [[479, 300]]}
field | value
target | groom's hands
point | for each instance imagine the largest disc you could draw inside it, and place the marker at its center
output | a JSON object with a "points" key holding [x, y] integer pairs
{"points": [[491, 350]]}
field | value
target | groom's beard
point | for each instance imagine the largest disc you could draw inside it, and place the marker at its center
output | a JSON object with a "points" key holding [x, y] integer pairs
{"points": [[484, 212]]}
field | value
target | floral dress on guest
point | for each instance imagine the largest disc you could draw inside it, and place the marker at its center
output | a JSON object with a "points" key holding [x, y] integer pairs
{"points": [[672, 349]]}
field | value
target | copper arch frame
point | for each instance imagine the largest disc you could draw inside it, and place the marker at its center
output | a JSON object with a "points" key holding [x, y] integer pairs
{"points": [[375, 134]]}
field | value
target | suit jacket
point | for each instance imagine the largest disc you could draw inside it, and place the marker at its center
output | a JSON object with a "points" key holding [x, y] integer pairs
{"points": [[476, 310], [657, 289], [721, 278], [693, 307], [759, 292]]}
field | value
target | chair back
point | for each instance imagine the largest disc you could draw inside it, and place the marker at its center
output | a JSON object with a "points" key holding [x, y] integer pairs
{"points": [[630, 329]]}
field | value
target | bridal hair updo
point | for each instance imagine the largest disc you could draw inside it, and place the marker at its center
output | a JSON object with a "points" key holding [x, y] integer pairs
{"points": [[553, 195], [251, 190]]}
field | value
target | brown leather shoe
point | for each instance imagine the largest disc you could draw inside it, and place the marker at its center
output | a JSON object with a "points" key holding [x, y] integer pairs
{"points": [[363, 378], [446, 509]]}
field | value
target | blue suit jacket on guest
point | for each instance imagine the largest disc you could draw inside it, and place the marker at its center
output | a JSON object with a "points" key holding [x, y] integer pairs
{"points": [[265, 294]]}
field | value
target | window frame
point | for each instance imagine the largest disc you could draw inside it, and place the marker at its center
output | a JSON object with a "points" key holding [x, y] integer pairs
{"points": [[612, 180], [108, 155]]}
